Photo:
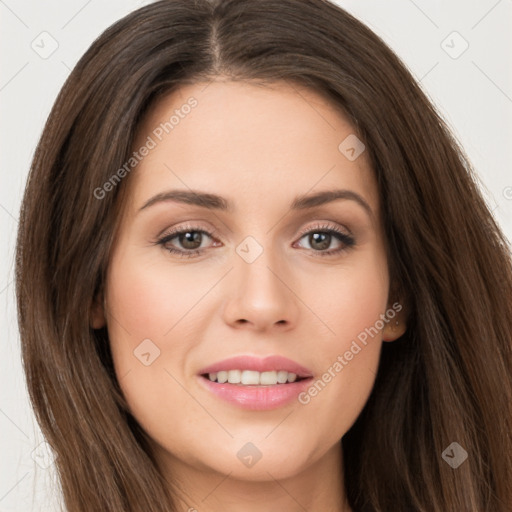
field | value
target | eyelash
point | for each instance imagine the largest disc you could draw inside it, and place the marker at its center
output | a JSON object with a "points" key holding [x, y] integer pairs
{"points": [[347, 240]]}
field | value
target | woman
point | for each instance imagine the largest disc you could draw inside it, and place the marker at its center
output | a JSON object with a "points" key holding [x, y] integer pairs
{"points": [[232, 206]]}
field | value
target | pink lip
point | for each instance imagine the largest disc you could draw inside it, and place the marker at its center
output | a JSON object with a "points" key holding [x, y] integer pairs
{"points": [[267, 364], [257, 398]]}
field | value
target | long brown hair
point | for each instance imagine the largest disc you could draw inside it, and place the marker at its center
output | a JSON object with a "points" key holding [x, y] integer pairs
{"points": [[448, 379]]}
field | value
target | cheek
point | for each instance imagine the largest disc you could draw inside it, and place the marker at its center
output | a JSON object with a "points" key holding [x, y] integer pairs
{"points": [[347, 351], [348, 298], [139, 299], [147, 326], [143, 307], [147, 299]]}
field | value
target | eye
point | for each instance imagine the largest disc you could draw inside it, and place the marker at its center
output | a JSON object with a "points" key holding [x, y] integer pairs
{"points": [[320, 238], [190, 238]]}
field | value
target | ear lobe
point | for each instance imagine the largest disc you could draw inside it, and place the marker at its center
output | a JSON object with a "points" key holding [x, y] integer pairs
{"points": [[392, 331], [396, 326], [97, 314]]}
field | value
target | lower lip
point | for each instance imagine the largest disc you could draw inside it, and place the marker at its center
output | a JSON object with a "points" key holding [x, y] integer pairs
{"points": [[257, 398]]}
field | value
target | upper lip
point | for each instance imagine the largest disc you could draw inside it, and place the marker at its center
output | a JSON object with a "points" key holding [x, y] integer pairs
{"points": [[267, 364]]}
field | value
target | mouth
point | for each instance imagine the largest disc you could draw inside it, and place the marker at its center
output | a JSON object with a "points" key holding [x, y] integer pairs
{"points": [[256, 383], [249, 391]]}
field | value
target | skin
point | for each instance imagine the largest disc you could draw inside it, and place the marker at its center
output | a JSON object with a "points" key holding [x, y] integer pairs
{"points": [[259, 147]]}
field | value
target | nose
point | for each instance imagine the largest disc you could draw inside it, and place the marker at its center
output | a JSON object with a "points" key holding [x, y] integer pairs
{"points": [[261, 295]]}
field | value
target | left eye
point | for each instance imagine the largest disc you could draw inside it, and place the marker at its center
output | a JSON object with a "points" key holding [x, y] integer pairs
{"points": [[321, 240]]}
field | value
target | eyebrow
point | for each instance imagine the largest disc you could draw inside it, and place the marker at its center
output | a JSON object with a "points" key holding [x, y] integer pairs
{"points": [[216, 202]]}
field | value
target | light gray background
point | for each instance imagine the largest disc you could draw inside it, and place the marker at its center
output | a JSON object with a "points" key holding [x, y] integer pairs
{"points": [[473, 92]]}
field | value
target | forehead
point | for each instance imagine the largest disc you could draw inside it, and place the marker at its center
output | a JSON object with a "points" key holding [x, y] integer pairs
{"points": [[243, 139]]}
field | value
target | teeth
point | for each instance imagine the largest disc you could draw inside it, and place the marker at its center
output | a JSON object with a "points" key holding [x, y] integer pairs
{"points": [[249, 377], [282, 376], [234, 376], [269, 378], [221, 377], [252, 378]]}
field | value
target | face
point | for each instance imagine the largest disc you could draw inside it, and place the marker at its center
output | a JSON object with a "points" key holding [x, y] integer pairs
{"points": [[257, 271]]}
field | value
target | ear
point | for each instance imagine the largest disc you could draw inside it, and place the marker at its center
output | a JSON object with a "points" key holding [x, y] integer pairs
{"points": [[97, 312], [397, 324]]}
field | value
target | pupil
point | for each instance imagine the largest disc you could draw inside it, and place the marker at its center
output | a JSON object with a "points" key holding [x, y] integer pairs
{"points": [[191, 237], [323, 239]]}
